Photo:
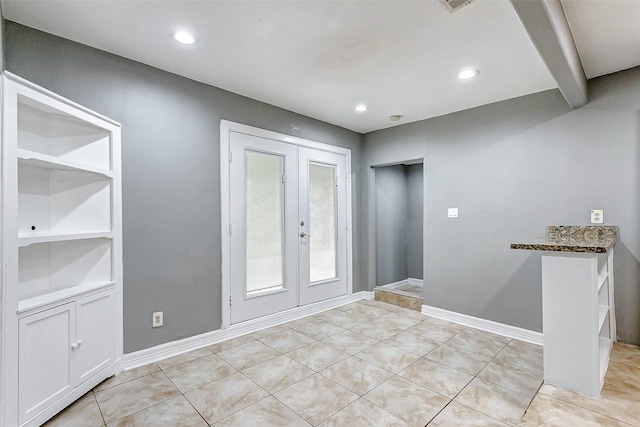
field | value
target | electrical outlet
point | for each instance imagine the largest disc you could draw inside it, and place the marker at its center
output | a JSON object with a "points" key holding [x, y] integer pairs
{"points": [[452, 213], [158, 319], [597, 216]]}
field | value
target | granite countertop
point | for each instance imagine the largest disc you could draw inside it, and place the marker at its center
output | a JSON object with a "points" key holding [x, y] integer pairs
{"points": [[574, 238]]}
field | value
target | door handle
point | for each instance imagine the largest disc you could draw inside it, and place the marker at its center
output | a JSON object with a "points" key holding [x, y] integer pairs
{"points": [[303, 234], [74, 346]]}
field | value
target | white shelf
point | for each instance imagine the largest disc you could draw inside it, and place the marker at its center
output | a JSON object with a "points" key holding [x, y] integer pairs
{"points": [[56, 296], [24, 241], [603, 310], [604, 348], [33, 158], [602, 278]]}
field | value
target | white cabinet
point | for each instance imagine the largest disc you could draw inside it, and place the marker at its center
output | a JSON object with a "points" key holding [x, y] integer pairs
{"points": [[61, 299], [578, 319], [44, 366], [76, 338]]}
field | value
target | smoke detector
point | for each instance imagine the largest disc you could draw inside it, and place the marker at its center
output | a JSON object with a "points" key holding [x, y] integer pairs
{"points": [[453, 5]]}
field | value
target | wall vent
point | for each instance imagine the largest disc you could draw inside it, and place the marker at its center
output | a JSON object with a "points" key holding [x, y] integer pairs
{"points": [[453, 5]]}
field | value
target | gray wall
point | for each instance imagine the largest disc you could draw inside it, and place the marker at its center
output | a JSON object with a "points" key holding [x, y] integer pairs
{"points": [[398, 213], [391, 228], [415, 220], [171, 173], [512, 168]]}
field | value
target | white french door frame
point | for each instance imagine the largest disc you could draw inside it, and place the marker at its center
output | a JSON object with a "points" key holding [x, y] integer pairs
{"points": [[226, 128]]}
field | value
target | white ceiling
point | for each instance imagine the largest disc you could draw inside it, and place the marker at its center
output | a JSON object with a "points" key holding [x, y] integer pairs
{"points": [[322, 58]]}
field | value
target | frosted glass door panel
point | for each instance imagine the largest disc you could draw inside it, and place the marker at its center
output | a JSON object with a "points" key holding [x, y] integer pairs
{"points": [[264, 200], [322, 222]]}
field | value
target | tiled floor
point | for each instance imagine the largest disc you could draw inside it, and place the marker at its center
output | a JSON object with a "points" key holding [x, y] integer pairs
{"points": [[365, 364]]}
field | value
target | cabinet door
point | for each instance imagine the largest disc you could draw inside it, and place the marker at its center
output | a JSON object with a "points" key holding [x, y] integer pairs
{"points": [[44, 349], [94, 335]]}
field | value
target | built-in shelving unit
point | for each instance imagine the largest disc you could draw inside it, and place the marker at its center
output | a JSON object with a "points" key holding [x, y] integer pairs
{"points": [[61, 252], [578, 319]]}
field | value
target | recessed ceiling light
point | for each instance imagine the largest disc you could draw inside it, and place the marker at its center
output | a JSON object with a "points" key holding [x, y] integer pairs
{"points": [[361, 108], [395, 117], [184, 37], [467, 74]]}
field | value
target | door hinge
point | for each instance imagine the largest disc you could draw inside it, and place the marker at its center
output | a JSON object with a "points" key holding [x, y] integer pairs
{"points": [[229, 229], [283, 178], [229, 301], [230, 156]]}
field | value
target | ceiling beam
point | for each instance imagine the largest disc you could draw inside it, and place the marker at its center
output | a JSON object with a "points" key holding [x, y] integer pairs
{"points": [[549, 31]]}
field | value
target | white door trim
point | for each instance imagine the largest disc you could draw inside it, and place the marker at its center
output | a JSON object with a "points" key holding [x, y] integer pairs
{"points": [[226, 127]]}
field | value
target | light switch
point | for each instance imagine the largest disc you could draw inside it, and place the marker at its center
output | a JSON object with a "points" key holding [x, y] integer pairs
{"points": [[597, 216], [452, 212]]}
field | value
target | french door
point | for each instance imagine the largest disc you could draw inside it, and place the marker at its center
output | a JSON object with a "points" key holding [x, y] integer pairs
{"points": [[288, 226]]}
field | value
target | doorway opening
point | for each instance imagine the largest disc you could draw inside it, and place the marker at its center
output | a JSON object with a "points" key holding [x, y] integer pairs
{"points": [[399, 218]]}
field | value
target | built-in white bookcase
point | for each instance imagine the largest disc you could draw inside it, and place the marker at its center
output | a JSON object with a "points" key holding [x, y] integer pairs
{"points": [[61, 252]]}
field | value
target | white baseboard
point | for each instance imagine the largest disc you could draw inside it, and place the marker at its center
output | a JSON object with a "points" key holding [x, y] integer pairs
{"points": [[400, 283], [508, 331], [415, 282], [163, 351], [395, 284]]}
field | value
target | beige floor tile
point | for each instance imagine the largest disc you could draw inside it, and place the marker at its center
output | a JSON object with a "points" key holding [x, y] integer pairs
{"points": [[277, 373], [248, 354], [84, 412], [408, 401], [412, 342], [621, 404], [224, 345], [498, 402], [318, 329], [393, 359], [221, 398], [369, 312], [268, 412], [525, 346], [450, 325], [175, 412], [479, 342], [135, 395], [512, 377], [344, 319], [457, 358], [349, 342], [196, 373], [294, 324], [620, 375], [316, 398], [413, 314], [626, 354], [399, 320], [318, 355], [377, 331], [184, 358], [434, 331], [349, 306], [516, 355], [457, 415], [287, 341], [356, 375], [270, 331], [547, 411], [129, 375], [363, 413], [436, 377]]}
